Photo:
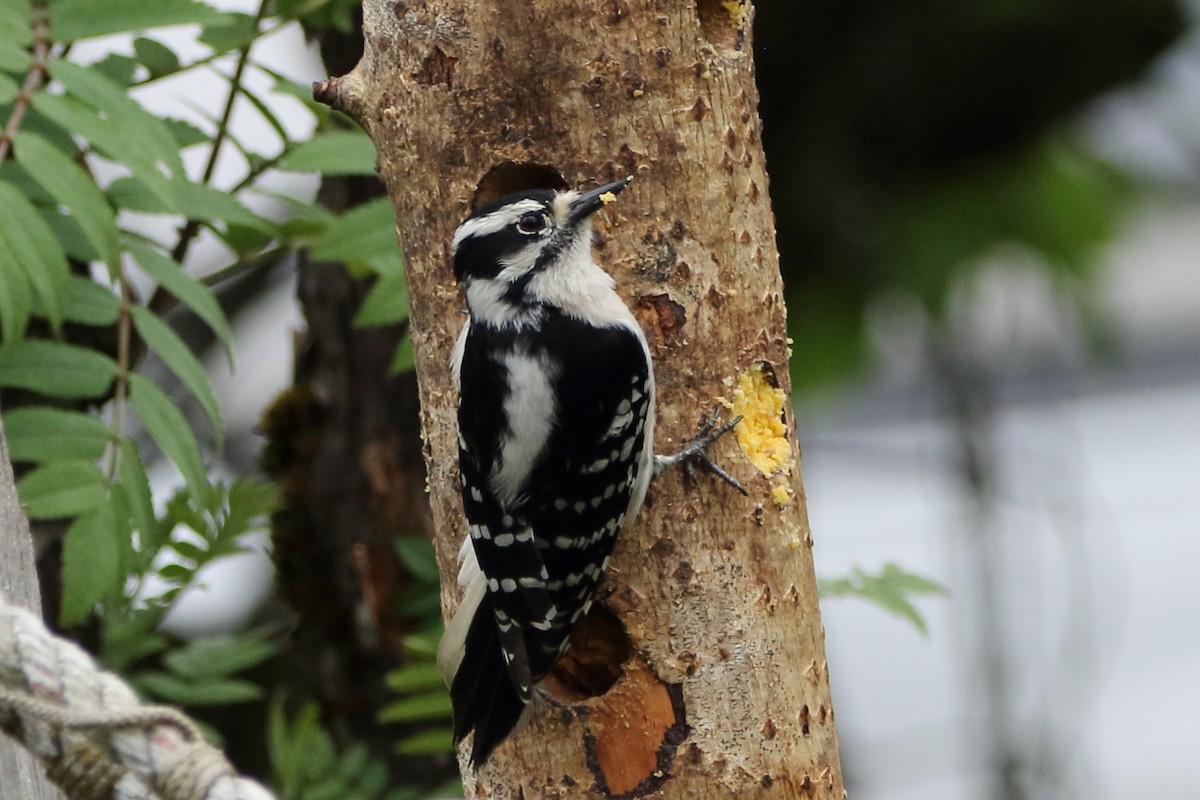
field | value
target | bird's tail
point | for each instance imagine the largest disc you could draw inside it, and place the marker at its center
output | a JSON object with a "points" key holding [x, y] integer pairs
{"points": [[481, 692]]}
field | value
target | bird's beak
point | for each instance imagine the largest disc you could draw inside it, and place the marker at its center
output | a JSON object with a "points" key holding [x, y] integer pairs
{"points": [[589, 203]]}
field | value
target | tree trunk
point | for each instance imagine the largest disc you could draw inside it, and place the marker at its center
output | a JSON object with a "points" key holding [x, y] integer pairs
{"points": [[710, 626], [20, 775]]}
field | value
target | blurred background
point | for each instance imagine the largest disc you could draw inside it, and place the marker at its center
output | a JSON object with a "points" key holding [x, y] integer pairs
{"points": [[989, 219]]}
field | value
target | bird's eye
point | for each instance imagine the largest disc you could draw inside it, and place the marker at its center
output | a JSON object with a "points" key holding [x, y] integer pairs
{"points": [[533, 222]]}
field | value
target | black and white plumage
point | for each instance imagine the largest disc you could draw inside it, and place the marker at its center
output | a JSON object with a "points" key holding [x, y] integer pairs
{"points": [[556, 430]]}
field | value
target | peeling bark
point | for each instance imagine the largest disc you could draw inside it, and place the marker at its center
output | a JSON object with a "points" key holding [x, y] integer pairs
{"points": [[721, 686]]}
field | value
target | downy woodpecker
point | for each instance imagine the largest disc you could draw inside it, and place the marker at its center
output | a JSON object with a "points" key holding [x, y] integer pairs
{"points": [[556, 435]]}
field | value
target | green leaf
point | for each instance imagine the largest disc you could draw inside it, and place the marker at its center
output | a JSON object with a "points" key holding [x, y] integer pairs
{"points": [[31, 244], [8, 89], [187, 290], [135, 485], [890, 590], [186, 134], [91, 564], [141, 127], [421, 645], [244, 241], [418, 558], [16, 23], [69, 234], [40, 434], [167, 425], [80, 19], [130, 193], [413, 678], [176, 573], [206, 693], [13, 57], [364, 232], [88, 303], [220, 656], [195, 201], [16, 299], [71, 187], [190, 551], [233, 31], [210, 204], [418, 708], [439, 740], [56, 369], [62, 489], [109, 139], [403, 359], [118, 68], [249, 502], [156, 56], [333, 152], [386, 303], [303, 220], [181, 510], [129, 639], [299, 751], [167, 345]]}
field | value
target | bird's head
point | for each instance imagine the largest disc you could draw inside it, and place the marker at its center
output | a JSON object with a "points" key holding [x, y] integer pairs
{"points": [[520, 235]]}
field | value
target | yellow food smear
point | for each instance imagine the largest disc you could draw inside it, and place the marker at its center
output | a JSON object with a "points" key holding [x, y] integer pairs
{"points": [[608, 197], [781, 493], [762, 434], [737, 10]]}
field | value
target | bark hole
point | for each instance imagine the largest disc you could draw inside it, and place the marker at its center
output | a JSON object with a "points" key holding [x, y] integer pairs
{"points": [[661, 318], [597, 655], [509, 176], [723, 22], [437, 69]]}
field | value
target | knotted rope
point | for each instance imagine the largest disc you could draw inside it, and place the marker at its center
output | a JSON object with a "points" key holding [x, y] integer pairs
{"points": [[96, 740]]}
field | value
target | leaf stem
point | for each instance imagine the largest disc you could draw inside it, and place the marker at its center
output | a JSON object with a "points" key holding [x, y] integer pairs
{"points": [[208, 59], [163, 302], [121, 390], [33, 79]]}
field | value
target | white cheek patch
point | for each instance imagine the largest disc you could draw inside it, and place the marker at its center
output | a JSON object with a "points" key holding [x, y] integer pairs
{"points": [[516, 265]]}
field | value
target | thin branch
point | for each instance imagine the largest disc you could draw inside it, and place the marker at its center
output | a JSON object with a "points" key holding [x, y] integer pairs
{"points": [[33, 80], [192, 227]]}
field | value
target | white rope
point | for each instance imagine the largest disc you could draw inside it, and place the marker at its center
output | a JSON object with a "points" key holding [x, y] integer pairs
{"points": [[87, 727]]}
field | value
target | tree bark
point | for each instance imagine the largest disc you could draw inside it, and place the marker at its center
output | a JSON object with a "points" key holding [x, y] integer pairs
{"points": [[21, 777], [710, 626]]}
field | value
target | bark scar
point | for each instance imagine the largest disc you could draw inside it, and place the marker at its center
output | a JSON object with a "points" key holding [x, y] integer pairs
{"points": [[631, 735], [661, 317]]}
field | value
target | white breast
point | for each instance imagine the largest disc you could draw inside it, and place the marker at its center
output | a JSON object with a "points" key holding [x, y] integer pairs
{"points": [[530, 409]]}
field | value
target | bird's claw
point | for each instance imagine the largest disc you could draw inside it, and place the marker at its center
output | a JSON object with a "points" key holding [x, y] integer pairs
{"points": [[696, 451]]}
